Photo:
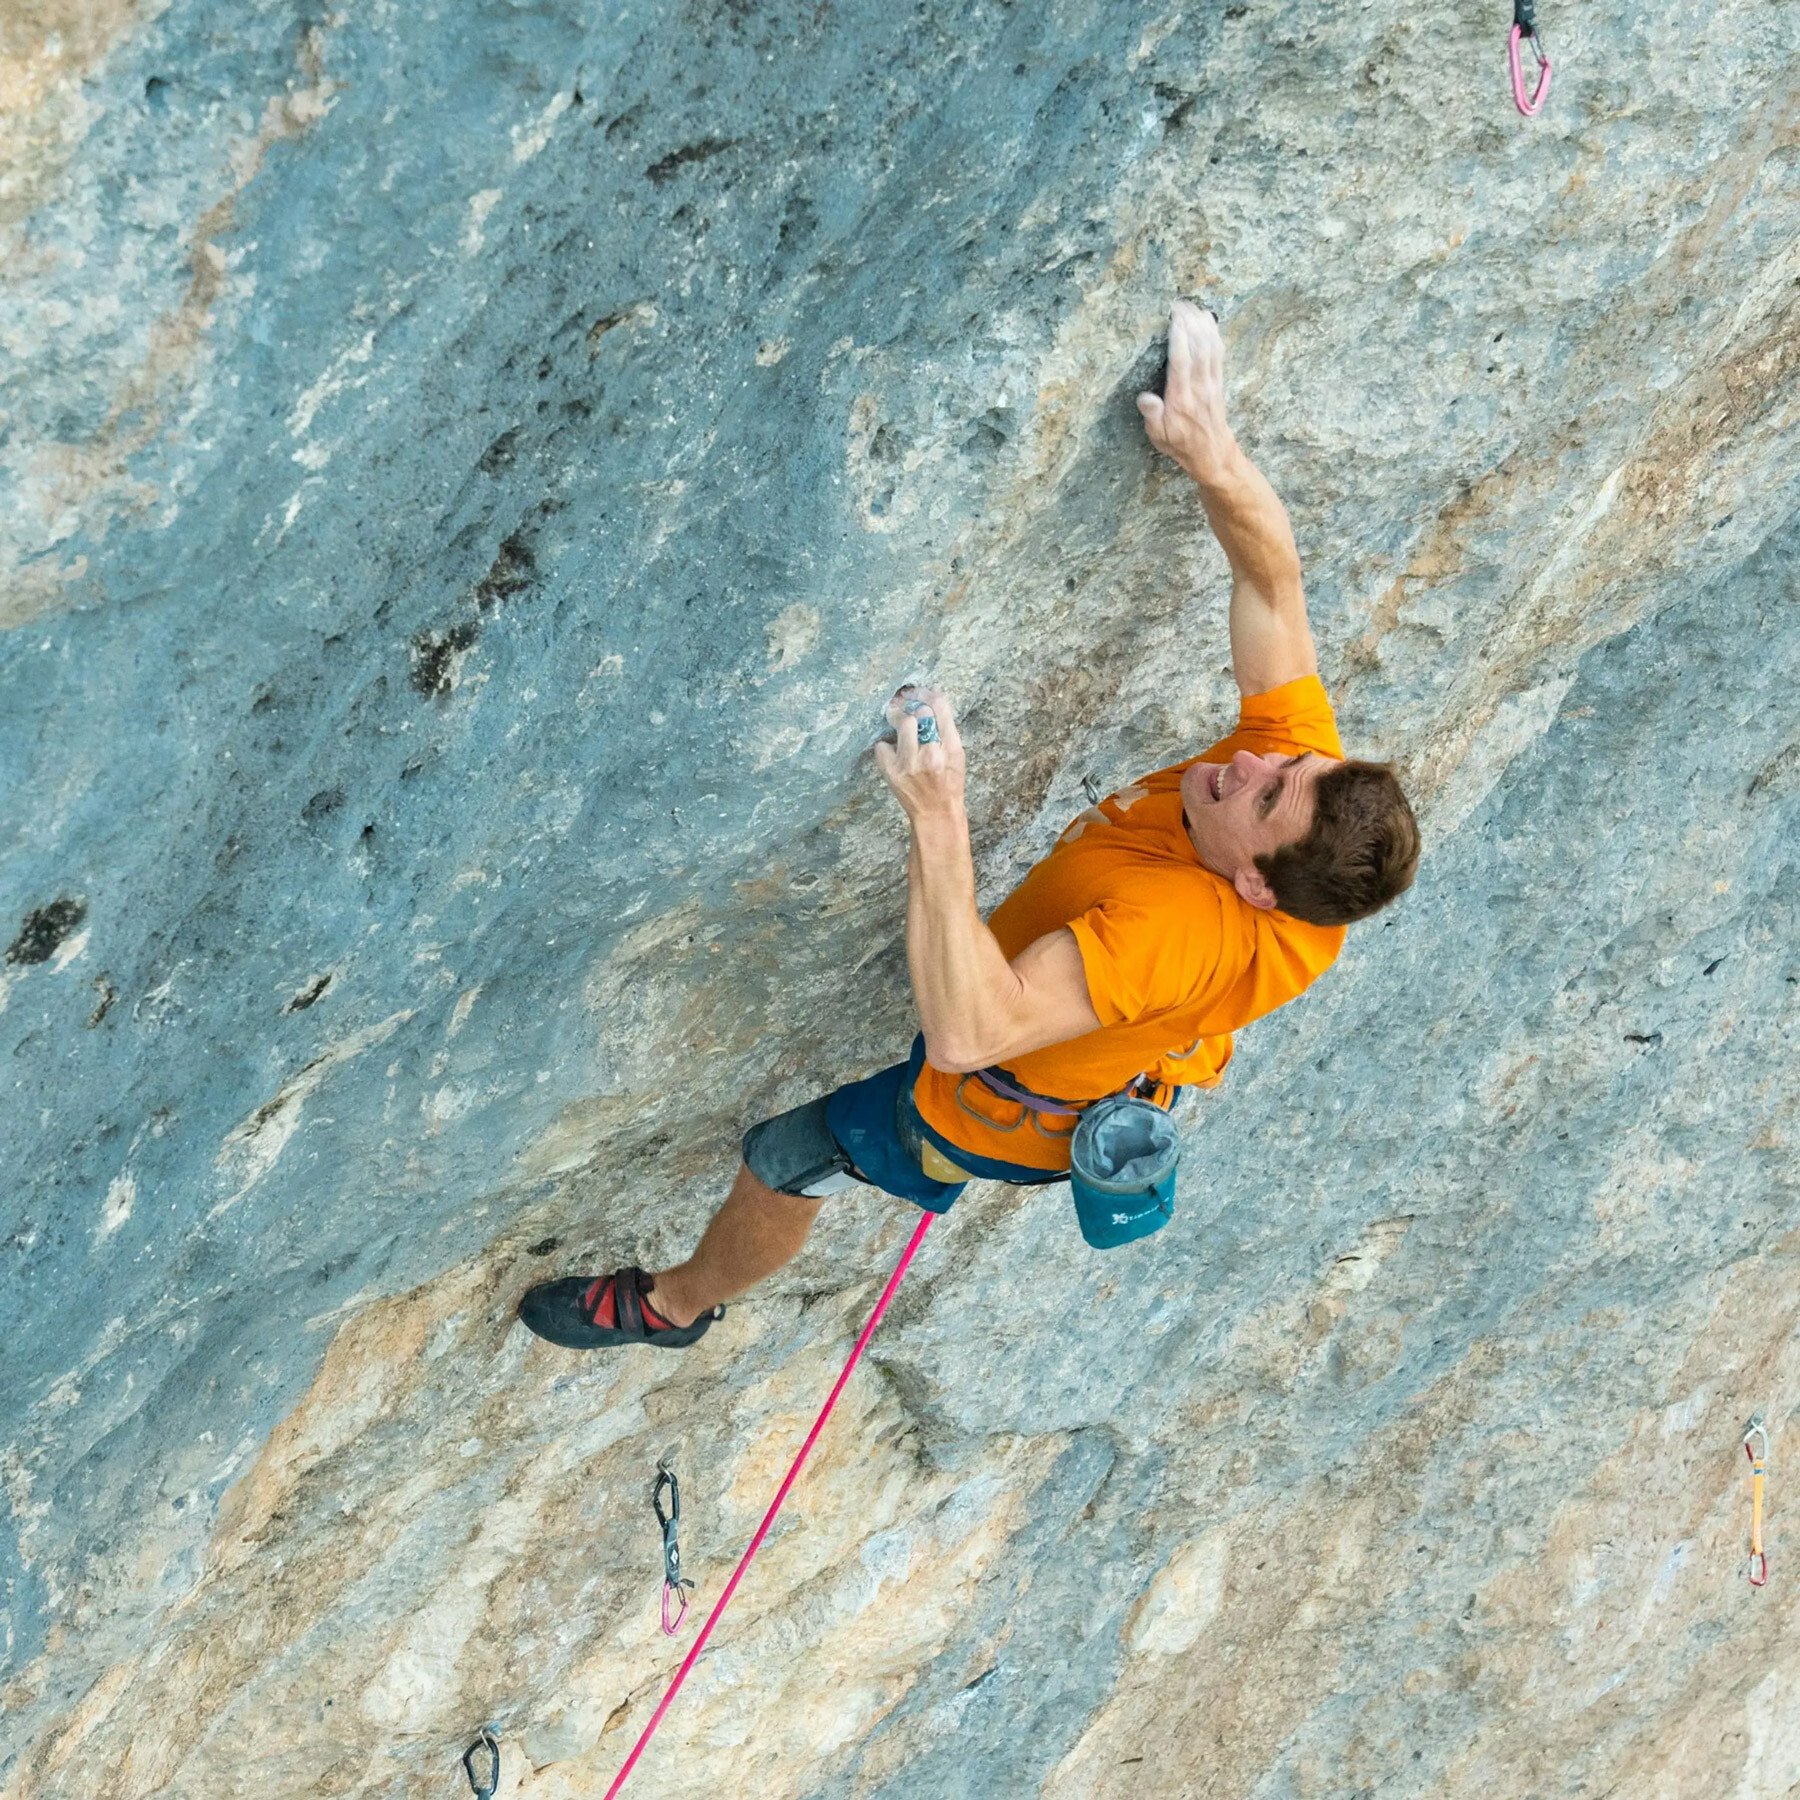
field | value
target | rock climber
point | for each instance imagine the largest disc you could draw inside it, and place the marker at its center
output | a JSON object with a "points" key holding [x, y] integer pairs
{"points": [[1164, 918]]}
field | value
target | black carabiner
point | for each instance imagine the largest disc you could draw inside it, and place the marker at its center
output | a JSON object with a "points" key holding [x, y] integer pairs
{"points": [[490, 1742], [665, 1478]]}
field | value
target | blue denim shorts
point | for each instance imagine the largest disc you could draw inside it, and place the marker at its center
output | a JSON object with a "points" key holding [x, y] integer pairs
{"points": [[869, 1131]]}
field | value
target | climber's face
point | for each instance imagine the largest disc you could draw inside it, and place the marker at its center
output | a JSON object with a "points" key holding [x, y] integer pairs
{"points": [[1246, 808]]}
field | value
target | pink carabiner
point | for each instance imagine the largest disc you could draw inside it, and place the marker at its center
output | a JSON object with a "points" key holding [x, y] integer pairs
{"points": [[1759, 1570], [670, 1629], [1535, 105]]}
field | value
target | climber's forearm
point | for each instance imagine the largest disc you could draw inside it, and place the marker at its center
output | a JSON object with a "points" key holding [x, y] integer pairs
{"points": [[968, 994], [1251, 524], [1271, 639]]}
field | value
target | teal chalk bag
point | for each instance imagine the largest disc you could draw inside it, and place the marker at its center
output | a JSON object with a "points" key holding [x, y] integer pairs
{"points": [[1122, 1167]]}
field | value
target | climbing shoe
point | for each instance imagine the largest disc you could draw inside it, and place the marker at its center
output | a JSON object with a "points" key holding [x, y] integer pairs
{"points": [[585, 1312]]}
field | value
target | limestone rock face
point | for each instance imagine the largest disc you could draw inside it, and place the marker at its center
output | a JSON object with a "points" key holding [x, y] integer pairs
{"points": [[470, 477]]}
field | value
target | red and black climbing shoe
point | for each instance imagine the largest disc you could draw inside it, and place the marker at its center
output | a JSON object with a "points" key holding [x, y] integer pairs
{"points": [[586, 1312]]}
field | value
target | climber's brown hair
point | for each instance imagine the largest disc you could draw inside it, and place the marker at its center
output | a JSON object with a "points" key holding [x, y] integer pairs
{"points": [[1362, 850]]}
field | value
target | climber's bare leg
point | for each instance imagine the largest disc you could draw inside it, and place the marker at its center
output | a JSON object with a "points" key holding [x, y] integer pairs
{"points": [[751, 1236]]}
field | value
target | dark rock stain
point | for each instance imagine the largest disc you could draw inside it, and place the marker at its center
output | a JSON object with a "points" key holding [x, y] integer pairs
{"points": [[322, 805], [307, 995], [611, 321], [512, 571], [499, 454], [108, 994], [45, 929], [625, 123], [798, 222], [434, 657], [1777, 773], [665, 169], [544, 1246], [987, 437], [1184, 104]]}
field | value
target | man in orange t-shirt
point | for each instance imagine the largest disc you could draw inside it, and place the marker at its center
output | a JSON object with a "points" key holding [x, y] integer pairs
{"points": [[1172, 913]]}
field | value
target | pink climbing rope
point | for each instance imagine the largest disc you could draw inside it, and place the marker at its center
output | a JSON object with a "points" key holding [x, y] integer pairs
{"points": [[781, 1493]]}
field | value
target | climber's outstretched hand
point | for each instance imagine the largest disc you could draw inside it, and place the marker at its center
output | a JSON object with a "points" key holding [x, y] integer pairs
{"points": [[926, 778], [1187, 421]]}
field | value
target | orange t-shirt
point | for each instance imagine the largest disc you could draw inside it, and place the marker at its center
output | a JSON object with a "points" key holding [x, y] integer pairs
{"points": [[1175, 960]]}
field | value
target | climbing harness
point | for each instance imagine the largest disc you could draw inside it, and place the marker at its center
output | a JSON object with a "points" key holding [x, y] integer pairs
{"points": [[1036, 1107], [673, 1584], [781, 1494], [997, 1081], [1759, 1564], [490, 1742], [1524, 26], [1039, 1107]]}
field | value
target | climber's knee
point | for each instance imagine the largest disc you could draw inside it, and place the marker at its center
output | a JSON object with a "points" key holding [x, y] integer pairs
{"points": [[795, 1153]]}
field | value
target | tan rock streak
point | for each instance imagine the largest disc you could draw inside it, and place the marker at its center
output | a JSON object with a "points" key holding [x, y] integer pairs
{"points": [[501, 1487], [46, 47]]}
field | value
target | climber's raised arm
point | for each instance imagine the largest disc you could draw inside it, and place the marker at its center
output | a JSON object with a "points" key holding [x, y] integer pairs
{"points": [[1271, 642]]}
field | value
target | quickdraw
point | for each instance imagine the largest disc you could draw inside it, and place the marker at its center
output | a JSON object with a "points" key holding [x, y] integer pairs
{"points": [[1759, 1564], [484, 1786], [673, 1583], [1524, 26]]}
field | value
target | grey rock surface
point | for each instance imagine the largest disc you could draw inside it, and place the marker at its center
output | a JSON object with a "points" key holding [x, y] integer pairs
{"points": [[468, 479]]}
